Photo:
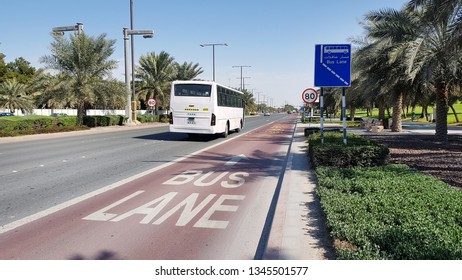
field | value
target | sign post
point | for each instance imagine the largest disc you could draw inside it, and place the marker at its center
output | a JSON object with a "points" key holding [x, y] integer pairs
{"points": [[321, 105], [332, 68], [309, 96], [151, 102]]}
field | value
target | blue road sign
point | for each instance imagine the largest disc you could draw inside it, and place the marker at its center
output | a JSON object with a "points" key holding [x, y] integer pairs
{"points": [[332, 65]]}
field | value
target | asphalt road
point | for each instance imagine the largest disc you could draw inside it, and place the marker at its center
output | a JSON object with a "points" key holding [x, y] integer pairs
{"points": [[38, 174]]}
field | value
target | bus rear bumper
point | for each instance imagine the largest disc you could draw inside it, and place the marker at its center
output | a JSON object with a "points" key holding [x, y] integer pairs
{"points": [[189, 129]]}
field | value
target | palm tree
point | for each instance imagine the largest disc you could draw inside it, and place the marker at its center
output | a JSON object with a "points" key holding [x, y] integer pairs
{"points": [[110, 94], [155, 73], [188, 71], [84, 62], [54, 92], [13, 95], [392, 30], [436, 54]]}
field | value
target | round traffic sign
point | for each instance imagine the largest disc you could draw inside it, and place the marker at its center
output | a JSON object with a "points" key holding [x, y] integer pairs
{"points": [[151, 102], [309, 95]]}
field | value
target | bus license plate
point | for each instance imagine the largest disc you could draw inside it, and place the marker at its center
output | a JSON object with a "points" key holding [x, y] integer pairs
{"points": [[191, 121]]}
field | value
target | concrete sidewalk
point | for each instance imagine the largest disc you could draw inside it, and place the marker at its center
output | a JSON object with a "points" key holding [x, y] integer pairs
{"points": [[299, 229]]}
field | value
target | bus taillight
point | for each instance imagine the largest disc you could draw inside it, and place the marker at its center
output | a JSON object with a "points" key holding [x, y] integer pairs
{"points": [[214, 120], [170, 118]]}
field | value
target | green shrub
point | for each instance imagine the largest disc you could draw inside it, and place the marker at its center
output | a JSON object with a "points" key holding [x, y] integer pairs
{"points": [[65, 121], [147, 118], [391, 212], [53, 129], [359, 152]]}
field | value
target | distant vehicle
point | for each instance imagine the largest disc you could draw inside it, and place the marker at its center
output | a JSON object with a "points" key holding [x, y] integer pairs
{"points": [[199, 107], [266, 114], [6, 114], [58, 114]]}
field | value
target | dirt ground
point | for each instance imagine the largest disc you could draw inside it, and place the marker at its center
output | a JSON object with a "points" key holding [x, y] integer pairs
{"points": [[422, 152]]}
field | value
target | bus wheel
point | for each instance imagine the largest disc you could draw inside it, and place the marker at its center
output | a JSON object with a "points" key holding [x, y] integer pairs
{"points": [[226, 133]]}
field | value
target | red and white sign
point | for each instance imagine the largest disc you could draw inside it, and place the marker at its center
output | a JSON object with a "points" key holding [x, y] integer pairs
{"points": [[309, 95], [151, 102]]}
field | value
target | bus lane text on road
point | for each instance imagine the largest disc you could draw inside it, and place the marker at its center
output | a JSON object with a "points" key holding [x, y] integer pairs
{"points": [[161, 208]]}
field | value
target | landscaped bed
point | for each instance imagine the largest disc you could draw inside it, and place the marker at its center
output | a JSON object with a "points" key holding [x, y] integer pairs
{"points": [[390, 211]]}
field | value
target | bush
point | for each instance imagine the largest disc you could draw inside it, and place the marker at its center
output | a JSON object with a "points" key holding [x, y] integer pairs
{"points": [[94, 121], [391, 212], [65, 121], [147, 118], [359, 152]]}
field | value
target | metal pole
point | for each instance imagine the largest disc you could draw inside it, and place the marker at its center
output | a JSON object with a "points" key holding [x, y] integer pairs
{"points": [[213, 54], [344, 116], [321, 104], [128, 114], [132, 37], [242, 81]]}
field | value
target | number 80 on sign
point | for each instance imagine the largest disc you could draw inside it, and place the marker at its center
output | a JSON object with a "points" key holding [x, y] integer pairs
{"points": [[309, 95]]}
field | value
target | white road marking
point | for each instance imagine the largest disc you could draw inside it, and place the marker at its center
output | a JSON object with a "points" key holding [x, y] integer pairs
{"points": [[64, 205]]}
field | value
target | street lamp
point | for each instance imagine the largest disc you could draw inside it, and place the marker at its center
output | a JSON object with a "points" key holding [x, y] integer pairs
{"points": [[61, 29], [213, 47], [129, 112], [242, 79]]}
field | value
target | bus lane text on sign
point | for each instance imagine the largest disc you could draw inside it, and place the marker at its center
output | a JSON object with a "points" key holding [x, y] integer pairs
{"points": [[190, 207]]}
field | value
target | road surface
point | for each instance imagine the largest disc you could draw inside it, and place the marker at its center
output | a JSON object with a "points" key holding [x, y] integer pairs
{"points": [[210, 203]]}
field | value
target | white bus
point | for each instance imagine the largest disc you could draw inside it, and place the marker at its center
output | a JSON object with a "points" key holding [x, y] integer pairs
{"points": [[200, 107]]}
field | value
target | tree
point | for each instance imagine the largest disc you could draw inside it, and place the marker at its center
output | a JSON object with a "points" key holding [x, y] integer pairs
{"points": [[3, 68], [435, 55], [155, 73], [84, 62], [110, 94], [249, 100], [391, 31], [13, 95], [54, 91], [19, 69], [188, 71]]}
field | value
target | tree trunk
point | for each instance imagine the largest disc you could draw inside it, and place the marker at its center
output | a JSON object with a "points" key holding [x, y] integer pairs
{"points": [[81, 112], [397, 107], [455, 113], [382, 108], [424, 113], [442, 108], [352, 112]]}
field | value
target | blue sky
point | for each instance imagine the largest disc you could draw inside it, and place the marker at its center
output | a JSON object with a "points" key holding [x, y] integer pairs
{"points": [[275, 37]]}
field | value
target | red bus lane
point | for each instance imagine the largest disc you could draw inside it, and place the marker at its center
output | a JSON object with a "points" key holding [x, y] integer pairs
{"points": [[211, 205]]}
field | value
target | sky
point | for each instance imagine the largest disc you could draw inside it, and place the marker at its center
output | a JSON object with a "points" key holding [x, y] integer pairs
{"points": [[276, 38]]}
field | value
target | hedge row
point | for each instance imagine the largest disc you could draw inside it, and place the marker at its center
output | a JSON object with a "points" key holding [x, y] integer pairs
{"points": [[15, 126], [360, 152], [391, 212], [94, 121], [35, 122], [152, 118], [380, 211]]}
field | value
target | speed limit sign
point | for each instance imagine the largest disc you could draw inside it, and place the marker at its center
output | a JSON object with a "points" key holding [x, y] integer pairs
{"points": [[151, 102], [309, 95]]}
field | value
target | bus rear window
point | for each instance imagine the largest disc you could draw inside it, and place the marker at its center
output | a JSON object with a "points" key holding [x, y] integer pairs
{"points": [[193, 90]]}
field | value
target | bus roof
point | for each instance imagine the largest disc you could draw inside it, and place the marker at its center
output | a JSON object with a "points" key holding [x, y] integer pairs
{"points": [[204, 82]]}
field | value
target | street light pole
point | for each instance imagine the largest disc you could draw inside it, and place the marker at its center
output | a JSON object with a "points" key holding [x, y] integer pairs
{"points": [[129, 112], [60, 30], [242, 79], [132, 48], [213, 54]]}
